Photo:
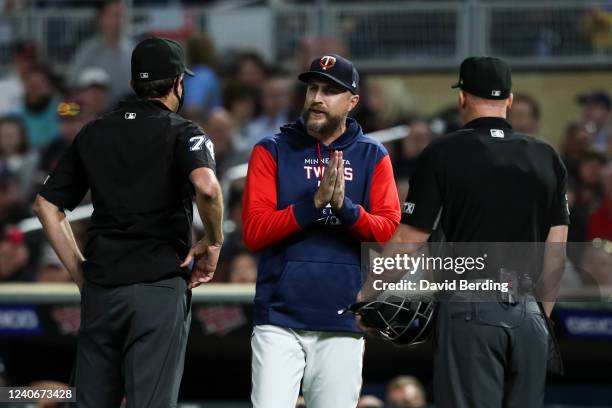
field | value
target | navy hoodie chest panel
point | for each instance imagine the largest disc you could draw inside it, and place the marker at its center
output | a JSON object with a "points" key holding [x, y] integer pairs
{"points": [[303, 280], [298, 172]]}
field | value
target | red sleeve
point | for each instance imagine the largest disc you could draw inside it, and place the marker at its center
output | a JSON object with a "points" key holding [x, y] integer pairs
{"points": [[380, 223], [599, 224], [262, 223]]}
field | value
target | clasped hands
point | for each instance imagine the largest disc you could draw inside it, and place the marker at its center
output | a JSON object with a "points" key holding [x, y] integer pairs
{"points": [[331, 189]]}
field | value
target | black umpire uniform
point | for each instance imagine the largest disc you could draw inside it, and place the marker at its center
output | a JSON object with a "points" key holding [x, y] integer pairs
{"points": [[482, 184], [135, 304]]}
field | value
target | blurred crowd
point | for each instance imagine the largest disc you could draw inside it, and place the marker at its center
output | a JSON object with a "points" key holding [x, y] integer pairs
{"points": [[239, 98], [404, 391]]}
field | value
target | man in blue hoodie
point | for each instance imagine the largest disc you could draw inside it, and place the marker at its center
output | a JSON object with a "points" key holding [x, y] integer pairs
{"points": [[314, 192]]}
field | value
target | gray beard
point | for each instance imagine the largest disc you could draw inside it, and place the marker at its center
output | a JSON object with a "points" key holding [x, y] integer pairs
{"points": [[327, 127]]}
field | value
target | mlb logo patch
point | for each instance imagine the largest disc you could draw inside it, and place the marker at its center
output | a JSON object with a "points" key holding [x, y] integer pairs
{"points": [[408, 207], [144, 75], [497, 133], [495, 93], [130, 115]]}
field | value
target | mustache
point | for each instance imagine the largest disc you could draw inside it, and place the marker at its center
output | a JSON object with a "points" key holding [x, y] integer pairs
{"points": [[318, 108]]}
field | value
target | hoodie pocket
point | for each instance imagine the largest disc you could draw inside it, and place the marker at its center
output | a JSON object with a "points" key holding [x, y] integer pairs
{"points": [[317, 285]]}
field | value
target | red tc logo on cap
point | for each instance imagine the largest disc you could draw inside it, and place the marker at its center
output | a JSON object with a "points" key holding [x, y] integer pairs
{"points": [[327, 62]]}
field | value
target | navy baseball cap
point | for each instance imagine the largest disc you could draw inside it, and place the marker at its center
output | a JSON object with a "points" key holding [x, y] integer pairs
{"points": [[595, 97], [336, 68], [158, 58], [485, 77]]}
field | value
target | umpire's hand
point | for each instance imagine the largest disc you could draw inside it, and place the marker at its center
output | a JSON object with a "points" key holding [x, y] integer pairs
{"points": [[361, 323], [205, 257]]}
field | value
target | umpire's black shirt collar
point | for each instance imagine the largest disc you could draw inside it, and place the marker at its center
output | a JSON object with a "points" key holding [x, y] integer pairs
{"points": [[150, 102], [159, 104], [488, 123]]}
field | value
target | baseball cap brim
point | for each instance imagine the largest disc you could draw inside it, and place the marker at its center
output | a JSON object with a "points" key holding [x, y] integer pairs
{"points": [[592, 97], [584, 98], [456, 85], [189, 72], [305, 77]]}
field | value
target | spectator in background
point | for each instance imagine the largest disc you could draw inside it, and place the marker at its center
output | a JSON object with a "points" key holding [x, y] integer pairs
{"points": [[241, 103], [446, 120], [597, 264], [13, 251], [407, 152], [597, 24], [93, 91], [411, 146], [40, 101], [600, 222], [385, 104], [243, 268], [524, 115], [596, 116], [15, 153], [586, 192], [232, 226], [275, 105], [251, 70], [48, 385], [110, 50], [51, 268], [12, 204], [4, 381], [71, 120], [576, 141], [25, 56], [589, 187], [219, 128], [233, 241], [203, 90], [406, 392], [370, 401]]}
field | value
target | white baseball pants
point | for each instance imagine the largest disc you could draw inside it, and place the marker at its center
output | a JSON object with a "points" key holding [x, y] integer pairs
{"points": [[327, 363]]}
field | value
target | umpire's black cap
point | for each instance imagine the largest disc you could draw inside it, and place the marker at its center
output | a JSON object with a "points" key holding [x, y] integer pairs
{"points": [[336, 68], [485, 77], [158, 58]]}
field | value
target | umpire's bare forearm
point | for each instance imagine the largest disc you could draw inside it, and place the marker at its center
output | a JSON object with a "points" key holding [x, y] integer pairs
{"points": [[209, 200], [553, 267], [61, 237]]}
